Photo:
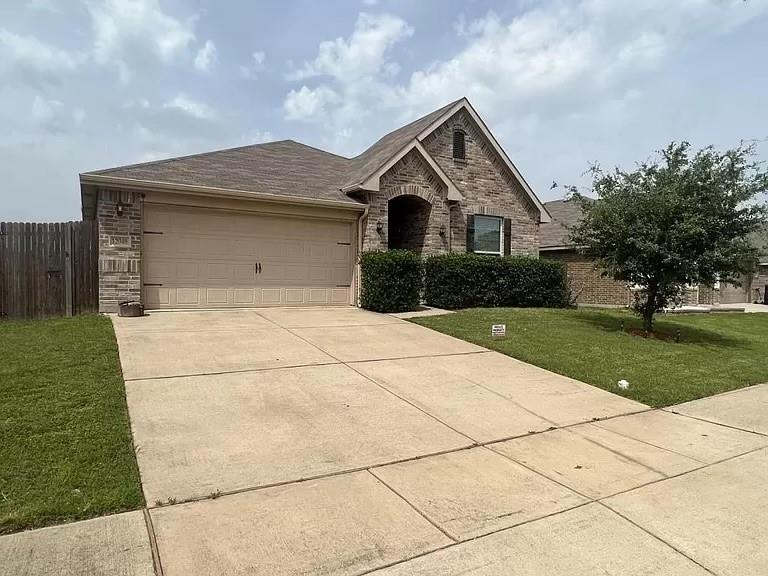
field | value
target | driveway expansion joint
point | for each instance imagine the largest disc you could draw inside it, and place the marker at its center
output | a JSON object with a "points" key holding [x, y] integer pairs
{"points": [[413, 506], [656, 537], [670, 410], [156, 562]]}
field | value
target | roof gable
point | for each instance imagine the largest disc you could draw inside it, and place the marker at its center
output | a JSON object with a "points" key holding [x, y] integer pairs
{"points": [[388, 146], [464, 104]]}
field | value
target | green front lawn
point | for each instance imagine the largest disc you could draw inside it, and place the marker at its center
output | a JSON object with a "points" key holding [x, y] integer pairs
{"points": [[716, 352], [65, 443]]}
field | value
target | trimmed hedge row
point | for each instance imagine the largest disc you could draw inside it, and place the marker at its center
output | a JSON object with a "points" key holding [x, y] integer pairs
{"points": [[454, 281], [391, 281]]}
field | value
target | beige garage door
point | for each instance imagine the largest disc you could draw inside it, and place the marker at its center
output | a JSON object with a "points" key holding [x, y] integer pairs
{"points": [[205, 258]]}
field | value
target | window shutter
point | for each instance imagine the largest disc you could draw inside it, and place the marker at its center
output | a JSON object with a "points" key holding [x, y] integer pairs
{"points": [[507, 236], [459, 145], [470, 232]]}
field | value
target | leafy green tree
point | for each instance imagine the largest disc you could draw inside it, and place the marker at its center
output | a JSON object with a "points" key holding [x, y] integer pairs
{"points": [[679, 219]]}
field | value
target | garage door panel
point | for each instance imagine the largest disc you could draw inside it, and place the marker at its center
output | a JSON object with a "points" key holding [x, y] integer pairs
{"points": [[219, 271], [274, 249], [319, 275], [340, 295], [156, 296], [209, 258], [156, 243], [158, 271], [188, 296], [244, 273], [295, 274], [341, 275], [185, 271], [244, 297], [341, 253], [217, 296], [295, 250], [156, 220]]}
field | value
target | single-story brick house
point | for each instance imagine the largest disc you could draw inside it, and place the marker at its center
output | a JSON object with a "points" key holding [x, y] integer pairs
{"points": [[282, 223], [589, 287]]}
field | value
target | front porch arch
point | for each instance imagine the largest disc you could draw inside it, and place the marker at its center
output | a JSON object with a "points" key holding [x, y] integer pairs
{"points": [[411, 190]]}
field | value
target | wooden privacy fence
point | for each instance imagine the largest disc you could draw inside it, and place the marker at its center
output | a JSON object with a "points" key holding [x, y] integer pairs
{"points": [[48, 269]]}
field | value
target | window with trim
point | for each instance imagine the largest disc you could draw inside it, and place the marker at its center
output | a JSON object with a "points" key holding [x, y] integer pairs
{"points": [[489, 235], [459, 145]]}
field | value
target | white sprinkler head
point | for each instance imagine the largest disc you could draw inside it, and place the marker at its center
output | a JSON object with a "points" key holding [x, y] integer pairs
{"points": [[623, 384]]}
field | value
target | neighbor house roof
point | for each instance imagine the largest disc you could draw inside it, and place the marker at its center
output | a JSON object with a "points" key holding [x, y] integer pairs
{"points": [[555, 234], [287, 170]]}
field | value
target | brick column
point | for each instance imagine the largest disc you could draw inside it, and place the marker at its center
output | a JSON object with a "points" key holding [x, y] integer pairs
{"points": [[119, 215]]}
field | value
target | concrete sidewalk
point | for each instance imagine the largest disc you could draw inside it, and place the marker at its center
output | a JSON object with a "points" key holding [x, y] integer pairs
{"points": [[337, 441]]}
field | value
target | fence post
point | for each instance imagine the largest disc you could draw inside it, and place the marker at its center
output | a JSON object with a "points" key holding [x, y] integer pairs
{"points": [[68, 277], [3, 273]]}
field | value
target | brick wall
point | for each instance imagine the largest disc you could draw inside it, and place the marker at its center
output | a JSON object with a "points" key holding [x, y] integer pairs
{"points": [[410, 176], [119, 247], [585, 282], [485, 181], [588, 286]]}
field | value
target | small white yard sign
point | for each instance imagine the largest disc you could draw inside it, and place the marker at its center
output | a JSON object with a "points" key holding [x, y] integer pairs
{"points": [[498, 330]]}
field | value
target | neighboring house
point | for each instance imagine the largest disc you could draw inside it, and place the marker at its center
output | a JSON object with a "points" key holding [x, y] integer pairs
{"points": [[751, 288], [585, 280], [587, 284], [282, 223]]}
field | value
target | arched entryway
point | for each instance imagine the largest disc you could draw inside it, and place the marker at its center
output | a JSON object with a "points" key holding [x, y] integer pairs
{"points": [[408, 219]]}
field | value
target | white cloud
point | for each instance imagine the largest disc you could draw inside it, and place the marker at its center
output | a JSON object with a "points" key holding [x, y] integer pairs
{"points": [[307, 104], [363, 54], [127, 31], [255, 66], [206, 56], [44, 110], [51, 117], [550, 61], [194, 108], [259, 137], [354, 72], [33, 61]]}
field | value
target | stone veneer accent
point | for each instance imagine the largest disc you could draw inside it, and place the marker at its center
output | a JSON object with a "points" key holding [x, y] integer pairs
{"points": [[119, 247]]}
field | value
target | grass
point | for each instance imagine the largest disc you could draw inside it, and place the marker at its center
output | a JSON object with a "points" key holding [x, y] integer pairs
{"points": [[65, 442], [716, 352]]}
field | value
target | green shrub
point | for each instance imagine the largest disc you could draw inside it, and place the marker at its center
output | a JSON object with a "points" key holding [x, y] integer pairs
{"points": [[391, 281], [454, 281]]}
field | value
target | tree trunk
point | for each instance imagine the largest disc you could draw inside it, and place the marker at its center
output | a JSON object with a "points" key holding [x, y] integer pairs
{"points": [[649, 311], [648, 320]]}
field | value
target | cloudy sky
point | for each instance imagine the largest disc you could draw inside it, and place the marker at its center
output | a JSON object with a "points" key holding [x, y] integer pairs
{"points": [[88, 84]]}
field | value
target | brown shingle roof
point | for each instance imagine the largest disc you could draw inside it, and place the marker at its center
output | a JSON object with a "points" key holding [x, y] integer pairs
{"points": [[386, 147], [284, 168], [565, 214]]}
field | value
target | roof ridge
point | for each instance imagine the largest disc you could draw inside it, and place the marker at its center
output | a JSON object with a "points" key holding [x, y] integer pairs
{"points": [[185, 156], [314, 148]]}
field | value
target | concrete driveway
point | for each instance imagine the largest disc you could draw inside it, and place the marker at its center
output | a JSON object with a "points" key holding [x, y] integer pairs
{"points": [[338, 441]]}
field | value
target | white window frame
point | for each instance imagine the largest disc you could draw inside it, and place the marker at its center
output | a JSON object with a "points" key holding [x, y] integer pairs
{"points": [[501, 235]]}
